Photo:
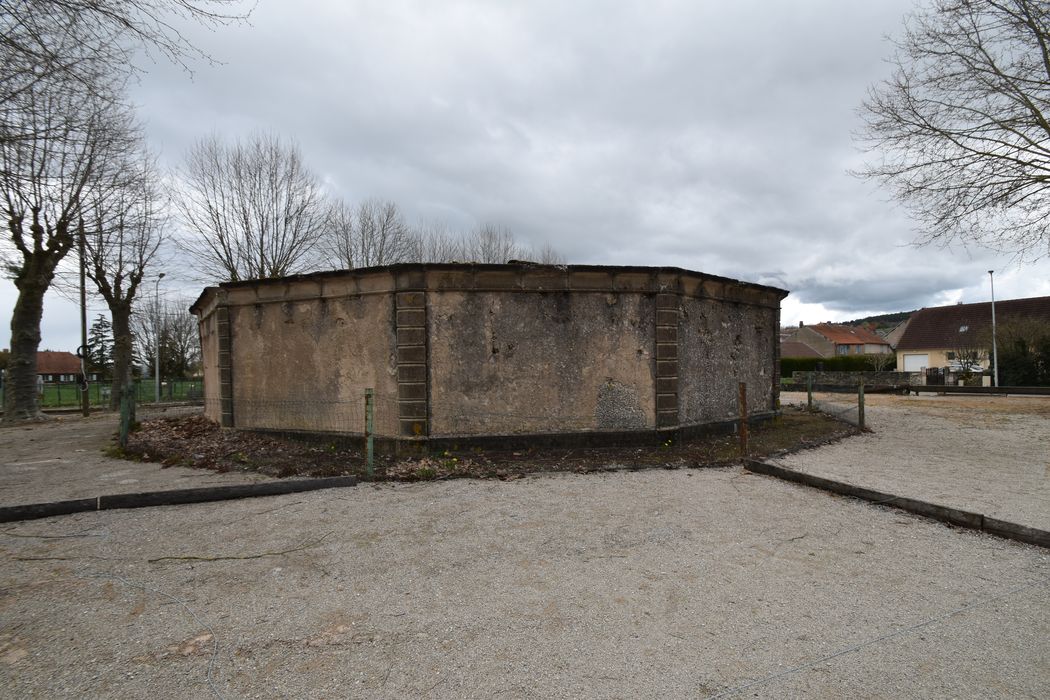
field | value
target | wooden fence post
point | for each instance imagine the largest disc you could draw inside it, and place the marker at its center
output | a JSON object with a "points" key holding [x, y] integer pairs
{"points": [[860, 405]]}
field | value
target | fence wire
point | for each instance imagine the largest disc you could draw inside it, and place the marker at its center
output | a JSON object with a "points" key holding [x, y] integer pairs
{"points": [[68, 394], [843, 407], [448, 416]]}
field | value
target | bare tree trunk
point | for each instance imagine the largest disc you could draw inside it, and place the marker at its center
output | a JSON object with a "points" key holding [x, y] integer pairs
{"points": [[20, 397], [122, 353]]}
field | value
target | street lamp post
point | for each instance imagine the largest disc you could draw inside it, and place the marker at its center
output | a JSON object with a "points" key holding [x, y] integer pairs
{"points": [[995, 348], [156, 332]]}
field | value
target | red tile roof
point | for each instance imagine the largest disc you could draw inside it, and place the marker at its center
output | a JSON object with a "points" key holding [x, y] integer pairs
{"points": [[848, 335], [796, 348], [50, 362], [941, 327]]}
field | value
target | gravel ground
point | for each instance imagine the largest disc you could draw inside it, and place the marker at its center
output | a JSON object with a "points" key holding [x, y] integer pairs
{"points": [[688, 583], [61, 458], [987, 454]]}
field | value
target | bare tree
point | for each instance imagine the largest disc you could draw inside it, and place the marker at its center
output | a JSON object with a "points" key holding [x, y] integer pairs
{"points": [[124, 231], [169, 325], [71, 42], [548, 255], [881, 361], [489, 243], [434, 242], [254, 209], [44, 180], [963, 125], [373, 233]]}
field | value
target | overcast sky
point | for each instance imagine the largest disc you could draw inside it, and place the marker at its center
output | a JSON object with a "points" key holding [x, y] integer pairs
{"points": [[713, 136]]}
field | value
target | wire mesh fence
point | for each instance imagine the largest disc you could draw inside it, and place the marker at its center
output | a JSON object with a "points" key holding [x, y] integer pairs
{"points": [[67, 394], [846, 407], [450, 416]]}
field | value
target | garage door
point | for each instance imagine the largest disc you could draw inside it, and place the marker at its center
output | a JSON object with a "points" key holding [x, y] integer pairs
{"points": [[914, 363]]}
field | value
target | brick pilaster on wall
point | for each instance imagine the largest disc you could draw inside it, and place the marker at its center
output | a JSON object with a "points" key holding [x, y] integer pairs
{"points": [[225, 341], [667, 315], [412, 394]]}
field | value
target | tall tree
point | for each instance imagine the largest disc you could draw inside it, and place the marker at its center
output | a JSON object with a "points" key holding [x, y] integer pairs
{"points": [[373, 233], [124, 230], [253, 208], [43, 181], [167, 324], [489, 243], [963, 125], [100, 346]]}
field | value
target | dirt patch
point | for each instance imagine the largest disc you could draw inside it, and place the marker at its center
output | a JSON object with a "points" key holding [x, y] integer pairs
{"points": [[194, 441]]}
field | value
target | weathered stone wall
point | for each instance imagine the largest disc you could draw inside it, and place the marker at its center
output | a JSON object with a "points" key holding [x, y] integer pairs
{"points": [[303, 353], [725, 343], [540, 362], [481, 350]]}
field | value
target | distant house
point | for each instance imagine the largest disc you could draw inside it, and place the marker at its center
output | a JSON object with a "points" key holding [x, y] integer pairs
{"points": [[795, 348], [54, 366], [936, 337], [893, 336], [831, 339]]}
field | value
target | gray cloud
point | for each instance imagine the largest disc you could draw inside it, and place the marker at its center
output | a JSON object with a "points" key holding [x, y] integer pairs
{"points": [[713, 136]]}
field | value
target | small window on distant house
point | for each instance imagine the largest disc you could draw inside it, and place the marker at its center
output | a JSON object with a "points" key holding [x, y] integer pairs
{"points": [[951, 355], [842, 349]]}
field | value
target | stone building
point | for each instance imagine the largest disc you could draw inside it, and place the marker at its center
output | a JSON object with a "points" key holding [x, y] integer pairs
{"points": [[464, 352]]}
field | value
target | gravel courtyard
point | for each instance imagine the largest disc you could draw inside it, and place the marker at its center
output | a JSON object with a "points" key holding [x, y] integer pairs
{"points": [[655, 583], [689, 583], [987, 454]]}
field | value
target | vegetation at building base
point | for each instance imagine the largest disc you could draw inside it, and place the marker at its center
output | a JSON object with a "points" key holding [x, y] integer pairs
{"points": [[194, 441]]}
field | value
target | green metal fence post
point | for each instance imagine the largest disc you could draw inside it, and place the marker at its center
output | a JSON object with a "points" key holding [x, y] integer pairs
{"points": [[369, 429]]}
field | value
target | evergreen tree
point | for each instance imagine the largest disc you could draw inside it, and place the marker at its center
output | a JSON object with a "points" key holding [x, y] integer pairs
{"points": [[100, 346]]}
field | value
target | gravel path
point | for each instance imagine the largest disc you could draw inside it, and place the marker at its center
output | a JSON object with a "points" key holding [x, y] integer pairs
{"points": [[986, 454], [640, 584], [61, 458]]}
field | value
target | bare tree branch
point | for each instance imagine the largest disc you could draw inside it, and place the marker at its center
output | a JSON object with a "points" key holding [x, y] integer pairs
{"points": [[962, 127], [254, 209]]}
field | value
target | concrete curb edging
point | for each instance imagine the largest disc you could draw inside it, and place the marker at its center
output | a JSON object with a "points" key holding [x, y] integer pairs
{"points": [[945, 514], [148, 499]]}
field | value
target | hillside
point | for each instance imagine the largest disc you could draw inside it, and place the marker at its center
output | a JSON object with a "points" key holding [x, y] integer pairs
{"points": [[882, 321]]}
